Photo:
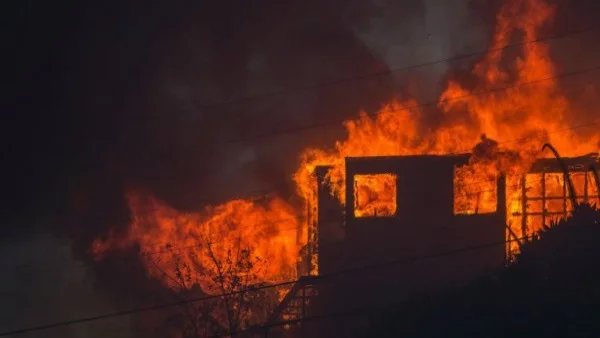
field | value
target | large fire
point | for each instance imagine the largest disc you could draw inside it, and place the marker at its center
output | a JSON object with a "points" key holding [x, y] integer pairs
{"points": [[528, 111], [205, 241]]}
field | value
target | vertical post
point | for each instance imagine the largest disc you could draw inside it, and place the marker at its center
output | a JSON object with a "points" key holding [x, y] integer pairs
{"points": [[501, 210], [565, 195], [350, 195], [585, 187], [524, 206], [355, 195], [303, 301], [501, 196], [543, 197], [301, 322], [309, 233]]}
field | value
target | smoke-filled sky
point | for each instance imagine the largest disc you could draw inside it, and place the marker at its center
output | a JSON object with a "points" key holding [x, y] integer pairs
{"points": [[151, 91], [106, 94]]}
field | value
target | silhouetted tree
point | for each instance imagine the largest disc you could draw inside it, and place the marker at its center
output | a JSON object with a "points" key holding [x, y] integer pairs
{"points": [[230, 282]]}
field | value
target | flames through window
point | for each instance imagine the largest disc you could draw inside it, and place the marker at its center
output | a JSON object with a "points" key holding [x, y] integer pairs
{"points": [[475, 191], [374, 195]]}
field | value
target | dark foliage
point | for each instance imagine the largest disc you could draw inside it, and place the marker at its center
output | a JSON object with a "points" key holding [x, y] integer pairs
{"points": [[551, 290]]}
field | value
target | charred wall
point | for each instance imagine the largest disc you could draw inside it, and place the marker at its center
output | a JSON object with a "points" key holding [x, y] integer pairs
{"points": [[407, 250]]}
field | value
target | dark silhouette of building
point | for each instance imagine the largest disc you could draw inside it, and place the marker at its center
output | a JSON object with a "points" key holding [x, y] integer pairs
{"points": [[423, 225], [419, 246]]}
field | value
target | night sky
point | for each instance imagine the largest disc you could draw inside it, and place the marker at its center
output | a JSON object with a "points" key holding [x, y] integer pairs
{"points": [[108, 94]]}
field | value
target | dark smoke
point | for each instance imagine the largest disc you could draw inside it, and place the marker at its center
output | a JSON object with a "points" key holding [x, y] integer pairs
{"points": [[580, 52], [111, 94]]}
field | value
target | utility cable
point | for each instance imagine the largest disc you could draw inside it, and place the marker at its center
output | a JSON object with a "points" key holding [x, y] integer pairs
{"points": [[258, 288], [300, 218], [400, 69]]}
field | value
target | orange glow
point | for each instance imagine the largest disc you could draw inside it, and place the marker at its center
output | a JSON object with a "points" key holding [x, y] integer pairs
{"points": [[375, 195], [168, 236], [475, 191], [552, 196], [527, 110]]}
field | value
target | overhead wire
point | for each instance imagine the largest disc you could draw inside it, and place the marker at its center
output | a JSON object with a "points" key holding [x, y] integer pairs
{"points": [[259, 193], [300, 218], [414, 106], [260, 287], [121, 313], [366, 77], [400, 69]]}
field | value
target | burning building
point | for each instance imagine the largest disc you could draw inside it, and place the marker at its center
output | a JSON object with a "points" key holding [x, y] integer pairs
{"points": [[391, 213], [404, 184], [401, 231]]}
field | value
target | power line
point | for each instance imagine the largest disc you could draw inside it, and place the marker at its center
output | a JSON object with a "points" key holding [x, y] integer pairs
{"points": [[257, 288], [300, 218], [263, 328], [415, 66], [518, 85], [378, 74], [398, 70], [564, 75], [421, 105], [172, 249], [259, 193], [375, 75], [378, 266]]}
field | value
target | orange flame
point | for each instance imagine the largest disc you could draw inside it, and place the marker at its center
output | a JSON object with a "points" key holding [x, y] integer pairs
{"points": [[204, 241], [519, 101], [525, 109], [376, 195]]}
